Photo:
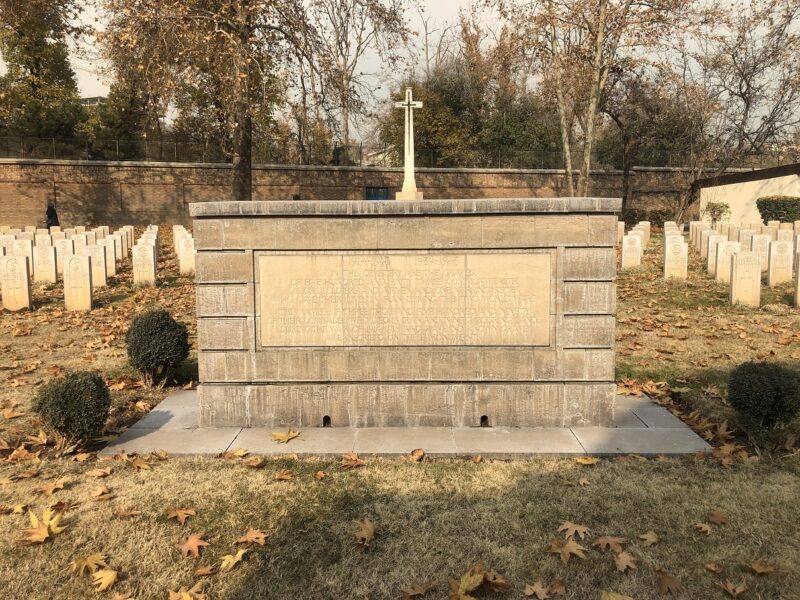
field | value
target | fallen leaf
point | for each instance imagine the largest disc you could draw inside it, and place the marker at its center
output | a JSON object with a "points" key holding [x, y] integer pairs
{"points": [[718, 518], [703, 528], [124, 513], [192, 545], [284, 438], [537, 589], [624, 561], [181, 514], [101, 494], [566, 549], [613, 596], [229, 561], [233, 454], [587, 460], [254, 462], [650, 538], [417, 590], [667, 583], [284, 475], [559, 587], [52, 488], [607, 542], [140, 464], [89, 564], [760, 568], [365, 533], [99, 473], [320, 475], [713, 567], [206, 571], [351, 461], [571, 530], [417, 455], [104, 579], [733, 590], [253, 536]]}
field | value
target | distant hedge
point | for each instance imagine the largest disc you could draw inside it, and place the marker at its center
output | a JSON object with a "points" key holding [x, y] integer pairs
{"points": [[632, 216], [779, 208]]}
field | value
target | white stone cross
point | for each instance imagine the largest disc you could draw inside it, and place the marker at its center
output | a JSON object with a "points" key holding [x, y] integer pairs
{"points": [[409, 191]]}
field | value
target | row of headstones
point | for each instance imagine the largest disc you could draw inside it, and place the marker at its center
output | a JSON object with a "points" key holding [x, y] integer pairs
{"points": [[83, 260], [740, 255]]}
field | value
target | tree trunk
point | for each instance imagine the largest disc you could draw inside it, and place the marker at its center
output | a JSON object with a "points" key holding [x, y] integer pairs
{"points": [[564, 122], [242, 151]]}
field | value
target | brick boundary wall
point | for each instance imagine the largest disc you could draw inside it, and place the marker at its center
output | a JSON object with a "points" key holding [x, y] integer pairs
{"points": [[138, 193]]}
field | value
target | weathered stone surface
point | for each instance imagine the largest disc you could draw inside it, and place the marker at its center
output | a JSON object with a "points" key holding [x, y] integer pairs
{"points": [[711, 252], [186, 254], [144, 264], [15, 283], [110, 249], [760, 243], [676, 257], [64, 248], [78, 282], [745, 286], [414, 314], [631, 251], [781, 263], [24, 247], [97, 254], [44, 264], [725, 252]]}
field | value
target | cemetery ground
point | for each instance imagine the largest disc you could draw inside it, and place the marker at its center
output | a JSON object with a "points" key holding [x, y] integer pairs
{"points": [[734, 512]]}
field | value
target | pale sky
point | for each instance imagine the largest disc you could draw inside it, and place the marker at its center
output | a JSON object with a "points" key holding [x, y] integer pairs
{"points": [[91, 81]]}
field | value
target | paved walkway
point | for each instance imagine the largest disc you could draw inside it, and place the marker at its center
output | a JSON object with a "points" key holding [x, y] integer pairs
{"points": [[642, 427]]}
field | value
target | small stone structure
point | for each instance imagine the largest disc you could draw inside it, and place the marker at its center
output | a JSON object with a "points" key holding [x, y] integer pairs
{"points": [[745, 288], [431, 313], [15, 283]]}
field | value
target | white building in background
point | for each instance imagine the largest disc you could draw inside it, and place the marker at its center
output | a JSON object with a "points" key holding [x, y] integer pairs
{"points": [[741, 190]]}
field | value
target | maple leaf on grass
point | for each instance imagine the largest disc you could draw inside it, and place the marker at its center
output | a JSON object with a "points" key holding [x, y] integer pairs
{"points": [[254, 462], [320, 475], [417, 455], [284, 438], [567, 549], [140, 464], [703, 528], [181, 514], [124, 513], [468, 582], [206, 571], [233, 454], [229, 561], [90, 564], [607, 542], [42, 530], [253, 536], [192, 545], [713, 568], [284, 475], [52, 488], [624, 561], [587, 461], [733, 590], [99, 473], [718, 518], [667, 584], [613, 596], [351, 461], [760, 568], [365, 533], [104, 579], [537, 590], [102, 494], [559, 587], [571, 530]]}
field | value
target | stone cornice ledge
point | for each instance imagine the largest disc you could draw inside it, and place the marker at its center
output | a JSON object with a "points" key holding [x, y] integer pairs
{"points": [[316, 208]]}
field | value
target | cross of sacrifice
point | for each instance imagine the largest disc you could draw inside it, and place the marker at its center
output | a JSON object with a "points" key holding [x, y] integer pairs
{"points": [[409, 191]]}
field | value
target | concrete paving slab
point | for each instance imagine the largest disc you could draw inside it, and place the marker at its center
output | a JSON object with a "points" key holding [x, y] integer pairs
{"points": [[500, 442], [314, 441], [657, 417], [634, 402], [398, 441], [603, 441], [627, 419], [177, 411], [174, 441]]}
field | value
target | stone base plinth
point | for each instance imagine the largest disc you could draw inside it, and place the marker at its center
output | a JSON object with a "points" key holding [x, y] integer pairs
{"points": [[415, 195]]}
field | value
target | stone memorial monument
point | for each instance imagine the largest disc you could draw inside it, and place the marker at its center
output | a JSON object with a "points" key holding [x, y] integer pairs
{"points": [[676, 259], [144, 264], [409, 191], [495, 312]]}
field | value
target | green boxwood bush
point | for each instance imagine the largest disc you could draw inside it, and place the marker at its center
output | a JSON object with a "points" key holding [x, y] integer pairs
{"points": [[765, 395], [779, 208], [75, 405], [157, 343]]}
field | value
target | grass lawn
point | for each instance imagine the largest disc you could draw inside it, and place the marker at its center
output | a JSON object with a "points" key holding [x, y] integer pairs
{"points": [[432, 519]]}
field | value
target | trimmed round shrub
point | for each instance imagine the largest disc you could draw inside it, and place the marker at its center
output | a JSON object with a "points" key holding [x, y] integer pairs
{"points": [[764, 394], [157, 343], [75, 405], [779, 208]]}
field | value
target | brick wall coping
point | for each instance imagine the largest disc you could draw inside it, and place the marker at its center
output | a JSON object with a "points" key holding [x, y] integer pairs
{"points": [[314, 208]]}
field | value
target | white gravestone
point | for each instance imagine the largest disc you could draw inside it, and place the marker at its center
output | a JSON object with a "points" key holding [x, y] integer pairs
{"points": [[64, 248], [704, 235], [58, 235], [55, 229], [781, 258], [631, 251], [80, 229], [144, 264], [760, 244], [797, 290], [79, 239], [746, 279], [25, 248], [111, 256], [43, 239], [725, 252], [676, 259], [186, 255], [44, 264], [69, 232], [711, 253], [78, 283], [117, 239], [746, 239], [785, 235], [733, 233], [97, 254], [15, 283], [91, 238]]}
